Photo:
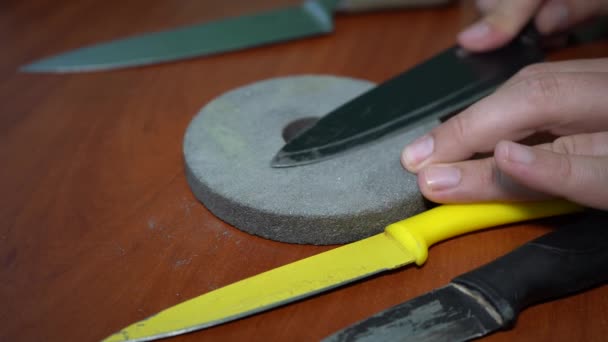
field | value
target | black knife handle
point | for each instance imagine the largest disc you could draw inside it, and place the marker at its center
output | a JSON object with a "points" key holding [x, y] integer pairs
{"points": [[571, 259]]}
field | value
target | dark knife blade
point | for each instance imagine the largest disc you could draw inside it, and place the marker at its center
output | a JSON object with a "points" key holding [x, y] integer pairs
{"points": [[447, 82], [569, 260]]}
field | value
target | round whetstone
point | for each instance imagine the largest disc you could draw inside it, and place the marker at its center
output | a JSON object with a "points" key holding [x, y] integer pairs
{"points": [[231, 141]]}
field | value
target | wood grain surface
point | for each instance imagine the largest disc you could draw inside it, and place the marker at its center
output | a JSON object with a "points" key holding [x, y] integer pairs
{"points": [[98, 227]]}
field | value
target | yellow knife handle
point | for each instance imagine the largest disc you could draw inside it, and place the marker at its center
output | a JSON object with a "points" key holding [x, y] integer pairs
{"points": [[419, 232]]}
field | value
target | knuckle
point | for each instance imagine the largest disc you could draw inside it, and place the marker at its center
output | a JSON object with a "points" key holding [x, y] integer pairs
{"points": [[542, 90], [565, 169], [460, 129], [581, 144], [533, 70], [489, 177], [564, 145], [527, 72]]}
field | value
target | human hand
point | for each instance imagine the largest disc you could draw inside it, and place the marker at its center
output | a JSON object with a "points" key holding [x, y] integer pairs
{"points": [[566, 99], [504, 19]]}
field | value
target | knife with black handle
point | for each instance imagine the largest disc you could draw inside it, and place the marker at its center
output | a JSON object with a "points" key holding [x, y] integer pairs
{"points": [[571, 259]]}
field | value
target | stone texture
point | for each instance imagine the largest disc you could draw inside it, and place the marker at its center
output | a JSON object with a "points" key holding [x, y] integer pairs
{"points": [[229, 144]]}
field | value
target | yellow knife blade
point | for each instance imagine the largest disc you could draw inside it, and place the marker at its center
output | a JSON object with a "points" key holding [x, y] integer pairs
{"points": [[400, 244]]}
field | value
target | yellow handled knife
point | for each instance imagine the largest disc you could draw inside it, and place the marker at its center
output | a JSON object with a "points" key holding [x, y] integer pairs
{"points": [[400, 244]]}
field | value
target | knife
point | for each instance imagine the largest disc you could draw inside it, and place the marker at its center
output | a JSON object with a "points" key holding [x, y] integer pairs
{"points": [[572, 259], [309, 18], [402, 243], [442, 85]]}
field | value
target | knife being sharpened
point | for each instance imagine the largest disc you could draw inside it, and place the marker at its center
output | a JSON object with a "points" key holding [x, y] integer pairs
{"points": [[432, 90], [402, 243], [571, 259]]}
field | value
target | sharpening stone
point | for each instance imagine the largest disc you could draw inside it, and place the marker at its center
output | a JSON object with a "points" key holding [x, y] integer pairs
{"points": [[229, 144]]}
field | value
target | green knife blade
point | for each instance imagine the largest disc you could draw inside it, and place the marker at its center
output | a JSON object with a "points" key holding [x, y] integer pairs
{"points": [[311, 17], [307, 19], [402, 243]]}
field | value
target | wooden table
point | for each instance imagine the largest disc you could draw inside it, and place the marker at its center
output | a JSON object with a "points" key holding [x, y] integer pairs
{"points": [[99, 228]]}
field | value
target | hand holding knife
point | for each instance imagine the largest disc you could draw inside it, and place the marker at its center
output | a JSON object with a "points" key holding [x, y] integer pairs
{"points": [[442, 85]]}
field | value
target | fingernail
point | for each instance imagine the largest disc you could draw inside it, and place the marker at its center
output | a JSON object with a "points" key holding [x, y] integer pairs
{"points": [[555, 15], [520, 154], [418, 151], [477, 31], [441, 177]]}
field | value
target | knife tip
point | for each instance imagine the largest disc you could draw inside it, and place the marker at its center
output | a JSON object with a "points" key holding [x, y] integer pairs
{"points": [[43, 68], [283, 160], [52, 65], [40, 67], [280, 160], [29, 68]]}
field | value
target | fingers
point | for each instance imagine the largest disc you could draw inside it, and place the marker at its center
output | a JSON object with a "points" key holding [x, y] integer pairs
{"points": [[579, 178], [557, 15], [559, 103], [503, 21], [574, 167], [471, 181]]}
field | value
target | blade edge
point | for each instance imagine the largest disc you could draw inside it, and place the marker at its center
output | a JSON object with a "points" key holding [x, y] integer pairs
{"points": [[306, 277]]}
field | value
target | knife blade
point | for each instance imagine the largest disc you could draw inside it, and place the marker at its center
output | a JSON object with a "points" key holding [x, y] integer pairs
{"points": [[309, 18], [488, 299], [445, 83], [402, 243]]}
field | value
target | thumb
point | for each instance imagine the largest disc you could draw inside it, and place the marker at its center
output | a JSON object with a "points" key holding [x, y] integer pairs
{"points": [[581, 178]]}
